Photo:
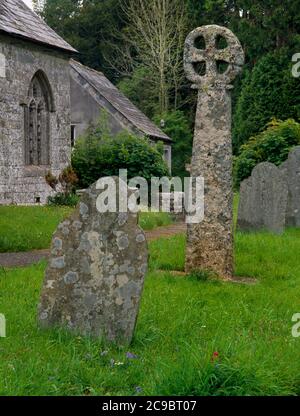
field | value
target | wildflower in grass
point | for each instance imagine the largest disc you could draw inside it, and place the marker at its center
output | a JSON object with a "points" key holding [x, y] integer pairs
{"points": [[131, 356], [215, 356], [138, 389], [103, 353], [114, 363], [88, 391]]}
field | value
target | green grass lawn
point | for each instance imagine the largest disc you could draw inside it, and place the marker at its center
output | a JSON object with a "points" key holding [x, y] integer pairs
{"points": [[183, 323], [31, 228]]}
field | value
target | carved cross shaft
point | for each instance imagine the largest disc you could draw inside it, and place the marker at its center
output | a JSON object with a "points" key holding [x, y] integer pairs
{"points": [[210, 243]]}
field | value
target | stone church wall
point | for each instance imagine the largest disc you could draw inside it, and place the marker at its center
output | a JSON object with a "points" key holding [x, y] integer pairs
{"points": [[19, 62]]}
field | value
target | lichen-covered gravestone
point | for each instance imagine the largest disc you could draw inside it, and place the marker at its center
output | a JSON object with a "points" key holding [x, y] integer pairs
{"points": [[210, 243], [95, 276], [263, 200], [291, 169]]}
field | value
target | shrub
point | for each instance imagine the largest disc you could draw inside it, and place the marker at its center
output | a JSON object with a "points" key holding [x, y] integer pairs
{"points": [[269, 91], [177, 127], [63, 199], [99, 154], [67, 181], [51, 180], [272, 145]]}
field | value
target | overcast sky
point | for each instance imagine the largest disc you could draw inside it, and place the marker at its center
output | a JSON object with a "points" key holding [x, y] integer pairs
{"points": [[28, 2]]}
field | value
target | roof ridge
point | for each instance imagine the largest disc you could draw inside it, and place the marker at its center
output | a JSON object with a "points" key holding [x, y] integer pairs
{"points": [[133, 114], [19, 20], [87, 67]]}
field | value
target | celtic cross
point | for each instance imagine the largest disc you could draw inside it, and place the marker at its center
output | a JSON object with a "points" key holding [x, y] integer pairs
{"points": [[212, 69], [211, 55]]}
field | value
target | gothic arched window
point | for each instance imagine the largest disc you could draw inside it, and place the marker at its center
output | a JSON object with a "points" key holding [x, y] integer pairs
{"points": [[37, 121]]}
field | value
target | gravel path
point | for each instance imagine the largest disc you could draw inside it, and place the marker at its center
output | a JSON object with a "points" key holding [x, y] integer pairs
{"points": [[27, 258]]}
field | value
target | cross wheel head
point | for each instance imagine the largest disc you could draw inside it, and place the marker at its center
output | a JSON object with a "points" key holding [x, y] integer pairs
{"points": [[212, 56]]}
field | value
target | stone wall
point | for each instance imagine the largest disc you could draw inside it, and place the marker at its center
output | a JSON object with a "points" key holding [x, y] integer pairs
{"points": [[88, 107], [20, 184]]}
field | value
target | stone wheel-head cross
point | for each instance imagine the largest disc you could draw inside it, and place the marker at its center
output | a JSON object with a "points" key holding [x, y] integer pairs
{"points": [[210, 243], [212, 55]]}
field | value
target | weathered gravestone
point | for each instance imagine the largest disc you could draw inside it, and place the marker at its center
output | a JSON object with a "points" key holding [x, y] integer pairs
{"points": [[291, 169], [210, 243], [95, 276], [263, 200]]}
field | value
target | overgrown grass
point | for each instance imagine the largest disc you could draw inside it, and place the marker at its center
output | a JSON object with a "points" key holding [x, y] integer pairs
{"points": [[31, 228], [192, 338], [258, 255]]}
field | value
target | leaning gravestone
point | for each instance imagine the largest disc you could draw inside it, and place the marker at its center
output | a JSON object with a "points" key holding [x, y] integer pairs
{"points": [[291, 169], [263, 200], [95, 276], [210, 243]]}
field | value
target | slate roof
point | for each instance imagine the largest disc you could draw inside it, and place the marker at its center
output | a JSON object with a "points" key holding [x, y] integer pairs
{"points": [[17, 19], [118, 100]]}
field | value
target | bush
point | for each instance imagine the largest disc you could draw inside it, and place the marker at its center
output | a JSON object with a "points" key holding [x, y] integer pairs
{"points": [[63, 199], [67, 181], [269, 91], [272, 145], [99, 154], [177, 127]]}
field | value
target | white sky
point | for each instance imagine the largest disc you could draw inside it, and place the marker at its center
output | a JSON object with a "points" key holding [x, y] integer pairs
{"points": [[28, 2]]}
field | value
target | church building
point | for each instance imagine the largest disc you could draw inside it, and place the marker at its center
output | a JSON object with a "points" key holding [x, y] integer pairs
{"points": [[37, 123]]}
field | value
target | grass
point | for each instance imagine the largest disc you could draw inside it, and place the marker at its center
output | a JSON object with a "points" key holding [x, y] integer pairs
{"points": [[151, 220], [28, 228], [193, 337], [31, 228], [258, 255]]}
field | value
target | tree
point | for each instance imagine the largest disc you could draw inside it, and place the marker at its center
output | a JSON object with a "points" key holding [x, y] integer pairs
{"points": [[139, 45], [177, 127], [269, 91], [261, 26], [272, 145], [139, 89], [87, 26], [154, 38]]}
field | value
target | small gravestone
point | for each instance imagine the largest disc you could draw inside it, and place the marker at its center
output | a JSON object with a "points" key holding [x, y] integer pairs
{"points": [[96, 271], [263, 200], [291, 169]]}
